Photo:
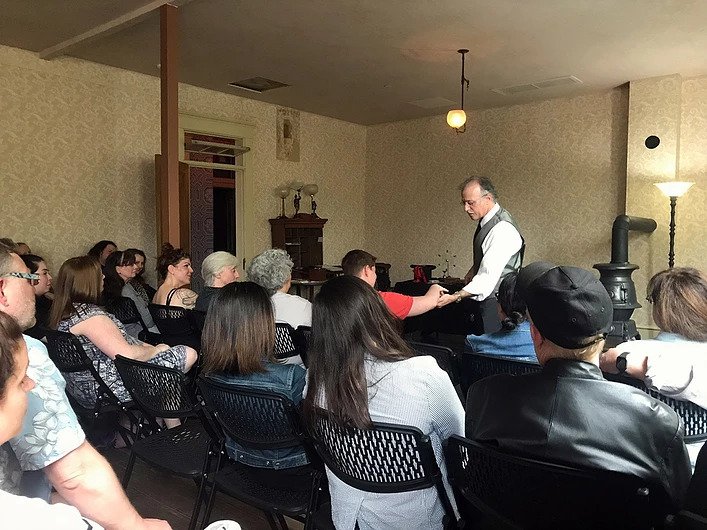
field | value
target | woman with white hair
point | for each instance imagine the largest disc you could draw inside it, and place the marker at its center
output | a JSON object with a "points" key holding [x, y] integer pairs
{"points": [[272, 270], [218, 269]]}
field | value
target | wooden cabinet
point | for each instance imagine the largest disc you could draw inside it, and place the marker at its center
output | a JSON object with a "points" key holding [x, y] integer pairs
{"points": [[302, 237]]}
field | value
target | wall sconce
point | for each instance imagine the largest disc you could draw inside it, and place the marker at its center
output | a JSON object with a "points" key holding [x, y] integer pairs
{"points": [[673, 190], [311, 190], [283, 192], [456, 118]]}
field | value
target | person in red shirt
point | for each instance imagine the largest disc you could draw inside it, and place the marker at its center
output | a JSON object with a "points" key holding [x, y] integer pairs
{"points": [[361, 264]]}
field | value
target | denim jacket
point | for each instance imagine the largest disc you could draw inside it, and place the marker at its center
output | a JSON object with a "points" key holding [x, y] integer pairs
{"points": [[286, 379]]}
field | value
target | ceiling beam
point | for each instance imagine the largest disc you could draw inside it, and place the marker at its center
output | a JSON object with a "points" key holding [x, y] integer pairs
{"points": [[112, 26]]}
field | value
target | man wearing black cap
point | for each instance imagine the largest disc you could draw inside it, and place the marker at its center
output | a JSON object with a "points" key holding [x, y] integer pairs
{"points": [[568, 412]]}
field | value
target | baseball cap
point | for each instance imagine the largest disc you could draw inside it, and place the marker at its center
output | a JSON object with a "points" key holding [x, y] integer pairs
{"points": [[568, 305]]}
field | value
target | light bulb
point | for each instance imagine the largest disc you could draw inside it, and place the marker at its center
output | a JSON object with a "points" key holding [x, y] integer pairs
{"points": [[456, 118]]}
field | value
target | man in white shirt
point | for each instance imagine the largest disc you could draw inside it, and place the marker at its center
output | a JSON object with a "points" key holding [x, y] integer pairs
{"points": [[498, 250]]}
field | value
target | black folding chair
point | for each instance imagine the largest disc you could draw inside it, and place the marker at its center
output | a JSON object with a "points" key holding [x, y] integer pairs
{"points": [[187, 450], [67, 353], [694, 417], [446, 359], [499, 490], [476, 366], [124, 309], [285, 341], [384, 459], [261, 420], [303, 335], [175, 325]]}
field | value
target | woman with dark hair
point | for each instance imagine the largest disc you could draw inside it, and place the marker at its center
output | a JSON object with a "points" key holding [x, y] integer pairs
{"points": [[142, 288], [76, 310], [42, 292], [174, 269], [675, 362], [237, 345], [513, 339], [102, 250], [119, 271], [361, 371]]}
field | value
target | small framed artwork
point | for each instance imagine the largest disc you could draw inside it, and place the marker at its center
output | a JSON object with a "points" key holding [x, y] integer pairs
{"points": [[287, 134]]}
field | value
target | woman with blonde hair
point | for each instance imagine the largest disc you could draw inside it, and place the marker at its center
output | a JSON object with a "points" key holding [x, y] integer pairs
{"points": [[75, 310], [218, 269], [174, 269]]}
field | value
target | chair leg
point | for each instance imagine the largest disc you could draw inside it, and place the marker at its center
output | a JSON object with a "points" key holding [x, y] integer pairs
{"points": [[209, 505], [197, 504], [282, 521], [128, 470], [272, 521]]}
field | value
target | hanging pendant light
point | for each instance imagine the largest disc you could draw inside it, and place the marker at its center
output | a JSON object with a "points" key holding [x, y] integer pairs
{"points": [[456, 118]]}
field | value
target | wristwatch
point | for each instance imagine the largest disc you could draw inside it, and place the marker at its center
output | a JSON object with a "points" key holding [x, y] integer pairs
{"points": [[621, 362], [459, 297]]}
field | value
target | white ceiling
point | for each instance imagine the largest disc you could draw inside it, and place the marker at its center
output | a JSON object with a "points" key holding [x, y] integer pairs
{"points": [[365, 61]]}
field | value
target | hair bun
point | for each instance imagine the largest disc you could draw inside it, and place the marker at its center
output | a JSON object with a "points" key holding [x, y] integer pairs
{"points": [[167, 247]]}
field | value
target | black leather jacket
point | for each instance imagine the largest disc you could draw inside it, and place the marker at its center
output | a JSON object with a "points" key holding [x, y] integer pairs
{"points": [[569, 413]]}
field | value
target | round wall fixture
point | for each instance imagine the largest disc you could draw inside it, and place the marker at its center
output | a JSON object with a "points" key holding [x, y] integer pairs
{"points": [[652, 142]]}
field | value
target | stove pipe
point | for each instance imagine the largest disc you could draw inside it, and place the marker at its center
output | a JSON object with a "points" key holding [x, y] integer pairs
{"points": [[616, 277]]}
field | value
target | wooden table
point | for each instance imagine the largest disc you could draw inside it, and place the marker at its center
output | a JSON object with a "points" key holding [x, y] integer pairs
{"points": [[311, 285]]}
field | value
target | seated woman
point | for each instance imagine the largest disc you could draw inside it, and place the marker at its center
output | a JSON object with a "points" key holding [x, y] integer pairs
{"points": [[237, 347], [119, 271], [272, 270], [363, 371], [42, 294], [75, 310], [102, 250], [14, 386], [218, 269], [513, 339], [174, 269], [675, 362], [143, 289]]}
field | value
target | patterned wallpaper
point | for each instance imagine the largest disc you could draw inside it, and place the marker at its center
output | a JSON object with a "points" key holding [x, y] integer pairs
{"points": [[672, 109], [558, 167], [77, 144]]}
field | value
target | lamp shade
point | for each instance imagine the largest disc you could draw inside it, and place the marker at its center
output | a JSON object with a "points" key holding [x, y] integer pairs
{"points": [[282, 192], [310, 189], [296, 185], [673, 188], [456, 118]]}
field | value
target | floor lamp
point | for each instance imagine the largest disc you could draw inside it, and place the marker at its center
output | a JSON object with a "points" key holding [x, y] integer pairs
{"points": [[673, 190]]}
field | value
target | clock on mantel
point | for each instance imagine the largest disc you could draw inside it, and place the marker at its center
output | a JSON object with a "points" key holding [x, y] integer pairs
{"points": [[302, 237]]}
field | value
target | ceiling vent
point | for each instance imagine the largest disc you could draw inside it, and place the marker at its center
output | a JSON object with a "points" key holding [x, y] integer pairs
{"points": [[433, 103], [555, 82], [257, 84]]}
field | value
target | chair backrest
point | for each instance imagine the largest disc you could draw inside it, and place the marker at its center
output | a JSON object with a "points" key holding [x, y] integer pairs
{"points": [[303, 335], [124, 309], [259, 419], [66, 352], [696, 498], [518, 492], [445, 357], [197, 319], [285, 345], [476, 366], [171, 320], [694, 417], [386, 458], [160, 391]]}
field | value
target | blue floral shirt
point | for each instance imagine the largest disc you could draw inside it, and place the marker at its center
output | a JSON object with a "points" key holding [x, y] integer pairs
{"points": [[50, 430]]}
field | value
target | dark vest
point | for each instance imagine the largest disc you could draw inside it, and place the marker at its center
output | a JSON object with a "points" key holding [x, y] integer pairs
{"points": [[516, 260]]}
